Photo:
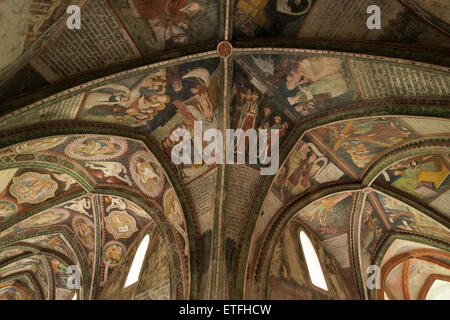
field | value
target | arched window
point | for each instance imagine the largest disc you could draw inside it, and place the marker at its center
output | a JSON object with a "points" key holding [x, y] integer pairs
{"points": [[312, 261], [138, 260]]}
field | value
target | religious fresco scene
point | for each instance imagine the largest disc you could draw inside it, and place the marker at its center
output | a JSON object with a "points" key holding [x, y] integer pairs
{"points": [[426, 177], [94, 204]]}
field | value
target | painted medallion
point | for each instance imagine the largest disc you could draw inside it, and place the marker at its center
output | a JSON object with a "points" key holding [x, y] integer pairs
{"points": [[147, 173]]}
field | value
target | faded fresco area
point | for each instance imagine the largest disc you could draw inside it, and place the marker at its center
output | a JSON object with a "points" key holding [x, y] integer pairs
{"points": [[289, 277], [436, 8], [154, 281], [25, 21], [20, 289], [328, 217]]}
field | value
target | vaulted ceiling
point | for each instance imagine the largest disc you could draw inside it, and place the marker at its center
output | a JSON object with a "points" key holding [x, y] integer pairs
{"points": [[86, 170]]}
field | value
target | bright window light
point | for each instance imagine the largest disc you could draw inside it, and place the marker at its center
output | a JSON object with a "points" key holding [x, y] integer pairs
{"points": [[136, 266], [314, 268], [440, 290]]}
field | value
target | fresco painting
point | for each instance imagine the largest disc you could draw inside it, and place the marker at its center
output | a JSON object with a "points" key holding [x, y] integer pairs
{"points": [[81, 205], [437, 8], [122, 219], [175, 215], [33, 264], [394, 283], [33, 187], [328, 216], [9, 253], [96, 148], [270, 17], [147, 173], [39, 144], [275, 91], [165, 24], [404, 217], [17, 290], [289, 277], [111, 190], [137, 102], [419, 271], [358, 141], [84, 230], [161, 102], [22, 188], [425, 177], [61, 215], [135, 209], [289, 272], [316, 19], [55, 242], [113, 280], [7, 209], [59, 269], [337, 280], [372, 229], [120, 224], [305, 167], [49, 217], [113, 254]]}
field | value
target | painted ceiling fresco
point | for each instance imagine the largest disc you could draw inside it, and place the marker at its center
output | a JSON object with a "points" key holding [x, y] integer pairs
{"points": [[131, 29], [41, 50], [18, 289], [340, 151], [86, 118], [92, 231], [381, 215]]}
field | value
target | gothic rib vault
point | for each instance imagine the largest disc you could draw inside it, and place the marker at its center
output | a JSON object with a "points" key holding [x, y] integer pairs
{"points": [[86, 173]]}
